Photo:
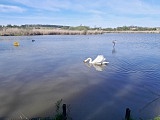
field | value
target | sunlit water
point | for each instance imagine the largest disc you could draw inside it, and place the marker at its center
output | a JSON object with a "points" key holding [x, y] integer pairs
{"points": [[34, 75]]}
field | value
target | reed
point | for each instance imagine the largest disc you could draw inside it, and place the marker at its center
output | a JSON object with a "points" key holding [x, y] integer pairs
{"points": [[44, 31]]}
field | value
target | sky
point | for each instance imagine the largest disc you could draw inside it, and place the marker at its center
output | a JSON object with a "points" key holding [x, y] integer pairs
{"points": [[92, 13]]}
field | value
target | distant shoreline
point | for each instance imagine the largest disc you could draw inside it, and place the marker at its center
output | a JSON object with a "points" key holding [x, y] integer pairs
{"points": [[132, 31], [31, 32]]}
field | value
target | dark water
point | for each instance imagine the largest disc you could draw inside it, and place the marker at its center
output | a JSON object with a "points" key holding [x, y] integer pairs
{"points": [[34, 75]]}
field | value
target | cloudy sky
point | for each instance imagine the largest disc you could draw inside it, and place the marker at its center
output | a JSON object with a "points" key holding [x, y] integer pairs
{"points": [[99, 13]]}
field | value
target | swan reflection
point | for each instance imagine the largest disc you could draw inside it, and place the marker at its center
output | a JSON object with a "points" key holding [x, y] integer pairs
{"points": [[113, 50], [97, 67]]}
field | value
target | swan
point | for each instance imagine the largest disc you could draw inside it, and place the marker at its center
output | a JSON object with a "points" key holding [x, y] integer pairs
{"points": [[114, 42], [99, 60]]}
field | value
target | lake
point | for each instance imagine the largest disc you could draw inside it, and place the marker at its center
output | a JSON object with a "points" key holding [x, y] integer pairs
{"points": [[35, 75]]}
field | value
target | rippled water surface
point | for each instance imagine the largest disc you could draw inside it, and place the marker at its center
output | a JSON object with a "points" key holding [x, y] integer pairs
{"points": [[34, 75]]}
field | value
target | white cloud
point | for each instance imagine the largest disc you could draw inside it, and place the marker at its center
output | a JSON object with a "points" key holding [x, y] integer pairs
{"points": [[9, 8], [60, 5], [97, 12], [123, 7], [133, 7], [110, 13], [52, 5]]}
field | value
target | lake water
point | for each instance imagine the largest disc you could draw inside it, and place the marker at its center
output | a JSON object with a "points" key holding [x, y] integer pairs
{"points": [[35, 75]]}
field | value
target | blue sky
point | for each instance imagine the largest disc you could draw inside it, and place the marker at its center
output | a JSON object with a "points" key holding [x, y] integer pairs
{"points": [[93, 13]]}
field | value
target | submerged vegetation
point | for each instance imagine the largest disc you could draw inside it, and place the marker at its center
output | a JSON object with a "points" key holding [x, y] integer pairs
{"points": [[157, 118], [61, 113], [25, 30]]}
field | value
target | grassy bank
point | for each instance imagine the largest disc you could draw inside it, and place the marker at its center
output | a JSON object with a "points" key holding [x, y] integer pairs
{"points": [[44, 31], [28, 31]]}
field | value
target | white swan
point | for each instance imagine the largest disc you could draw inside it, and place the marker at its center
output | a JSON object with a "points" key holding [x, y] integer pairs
{"points": [[114, 42], [100, 60]]}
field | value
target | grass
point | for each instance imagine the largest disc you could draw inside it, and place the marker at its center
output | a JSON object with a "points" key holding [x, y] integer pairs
{"points": [[157, 118], [44, 31]]}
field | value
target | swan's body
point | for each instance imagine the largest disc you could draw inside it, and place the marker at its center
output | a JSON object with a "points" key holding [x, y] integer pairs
{"points": [[100, 60], [114, 42]]}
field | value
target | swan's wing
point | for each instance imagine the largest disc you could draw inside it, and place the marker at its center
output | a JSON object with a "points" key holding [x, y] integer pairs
{"points": [[99, 58]]}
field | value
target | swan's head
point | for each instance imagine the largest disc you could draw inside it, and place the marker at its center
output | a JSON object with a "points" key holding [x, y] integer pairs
{"points": [[88, 59], [85, 61]]}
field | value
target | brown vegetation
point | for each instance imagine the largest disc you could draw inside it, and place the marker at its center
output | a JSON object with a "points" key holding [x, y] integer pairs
{"points": [[45, 31], [27, 31]]}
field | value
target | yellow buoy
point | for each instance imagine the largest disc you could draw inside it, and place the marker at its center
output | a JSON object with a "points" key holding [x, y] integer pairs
{"points": [[16, 43]]}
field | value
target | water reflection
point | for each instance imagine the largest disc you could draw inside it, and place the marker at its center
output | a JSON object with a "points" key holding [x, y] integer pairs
{"points": [[113, 50], [97, 67], [152, 101], [34, 76]]}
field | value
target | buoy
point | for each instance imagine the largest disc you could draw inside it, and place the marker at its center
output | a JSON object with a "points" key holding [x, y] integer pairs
{"points": [[16, 43]]}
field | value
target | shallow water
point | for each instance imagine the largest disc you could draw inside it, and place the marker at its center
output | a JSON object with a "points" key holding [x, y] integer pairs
{"points": [[34, 75]]}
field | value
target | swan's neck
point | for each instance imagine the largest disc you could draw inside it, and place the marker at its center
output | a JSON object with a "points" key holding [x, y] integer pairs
{"points": [[89, 59]]}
